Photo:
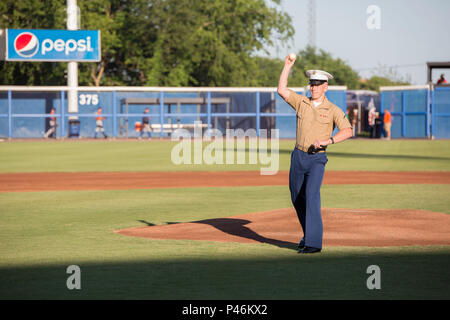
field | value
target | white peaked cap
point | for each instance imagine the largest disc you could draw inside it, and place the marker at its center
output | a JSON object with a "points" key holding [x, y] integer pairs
{"points": [[318, 75]]}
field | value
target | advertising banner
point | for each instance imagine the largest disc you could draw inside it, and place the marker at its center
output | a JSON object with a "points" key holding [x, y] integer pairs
{"points": [[52, 45]]}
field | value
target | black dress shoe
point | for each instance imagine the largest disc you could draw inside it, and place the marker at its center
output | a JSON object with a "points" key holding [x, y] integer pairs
{"points": [[309, 250], [301, 245]]}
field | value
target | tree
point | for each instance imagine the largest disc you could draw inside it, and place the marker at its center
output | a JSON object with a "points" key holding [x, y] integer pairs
{"points": [[375, 82], [31, 14], [310, 58], [201, 43], [384, 76], [266, 73], [108, 16], [154, 42]]}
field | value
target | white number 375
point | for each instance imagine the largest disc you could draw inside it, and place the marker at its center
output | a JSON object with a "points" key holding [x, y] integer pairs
{"points": [[88, 99]]}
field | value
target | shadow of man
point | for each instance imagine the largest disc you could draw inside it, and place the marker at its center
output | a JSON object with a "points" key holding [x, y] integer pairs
{"points": [[236, 227]]}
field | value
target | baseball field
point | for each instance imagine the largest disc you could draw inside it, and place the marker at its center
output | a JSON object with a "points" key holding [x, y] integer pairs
{"points": [[139, 226]]}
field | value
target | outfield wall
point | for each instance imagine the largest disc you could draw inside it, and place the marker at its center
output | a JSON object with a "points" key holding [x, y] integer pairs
{"points": [[25, 111], [440, 110], [418, 111]]}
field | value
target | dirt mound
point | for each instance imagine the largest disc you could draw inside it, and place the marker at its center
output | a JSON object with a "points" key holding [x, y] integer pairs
{"points": [[342, 227]]}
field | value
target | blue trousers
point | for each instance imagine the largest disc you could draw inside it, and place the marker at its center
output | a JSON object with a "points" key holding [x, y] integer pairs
{"points": [[305, 180]]}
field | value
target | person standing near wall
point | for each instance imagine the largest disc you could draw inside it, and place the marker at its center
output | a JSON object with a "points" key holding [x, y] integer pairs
{"points": [[99, 123], [146, 125], [52, 130], [354, 122], [442, 80], [387, 120], [371, 119]]}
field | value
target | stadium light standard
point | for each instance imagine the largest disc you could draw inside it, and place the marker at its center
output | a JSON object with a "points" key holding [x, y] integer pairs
{"points": [[72, 68]]}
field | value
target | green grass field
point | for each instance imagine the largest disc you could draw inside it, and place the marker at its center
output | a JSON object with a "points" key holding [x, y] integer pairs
{"points": [[41, 233], [79, 156]]}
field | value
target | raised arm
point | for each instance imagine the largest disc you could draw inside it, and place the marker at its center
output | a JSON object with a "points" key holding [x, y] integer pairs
{"points": [[282, 90]]}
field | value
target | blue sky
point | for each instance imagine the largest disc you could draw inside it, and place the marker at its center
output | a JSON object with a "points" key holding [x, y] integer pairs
{"points": [[412, 33]]}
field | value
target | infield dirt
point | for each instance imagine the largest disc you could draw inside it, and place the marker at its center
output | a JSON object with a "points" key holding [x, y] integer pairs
{"points": [[342, 227], [55, 181]]}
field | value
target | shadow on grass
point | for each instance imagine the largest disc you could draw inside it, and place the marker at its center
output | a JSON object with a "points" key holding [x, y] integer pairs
{"points": [[259, 273], [236, 227], [147, 223]]}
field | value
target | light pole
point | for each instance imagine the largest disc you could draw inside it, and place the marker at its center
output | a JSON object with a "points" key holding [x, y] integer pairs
{"points": [[72, 68]]}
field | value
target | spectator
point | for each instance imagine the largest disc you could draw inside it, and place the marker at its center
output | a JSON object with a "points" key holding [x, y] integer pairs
{"points": [[354, 122], [442, 80], [387, 120], [99, 123], [52, 130], [146, 125], [371, 119]]}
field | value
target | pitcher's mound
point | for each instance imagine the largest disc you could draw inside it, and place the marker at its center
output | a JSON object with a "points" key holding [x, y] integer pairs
{"points": [[342, 227]]}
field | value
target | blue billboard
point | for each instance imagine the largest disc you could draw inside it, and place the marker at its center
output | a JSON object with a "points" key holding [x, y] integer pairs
{"points": [[52, 45]]}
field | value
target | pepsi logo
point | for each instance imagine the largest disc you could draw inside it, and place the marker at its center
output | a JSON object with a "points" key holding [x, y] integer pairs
{"points": [[26, 44]]}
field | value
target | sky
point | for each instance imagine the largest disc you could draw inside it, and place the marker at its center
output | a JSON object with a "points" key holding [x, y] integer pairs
{"points": [[411, 33]]}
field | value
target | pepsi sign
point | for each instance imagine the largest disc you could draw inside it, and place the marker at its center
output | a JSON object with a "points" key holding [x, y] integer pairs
{"points": [[52, 45]]}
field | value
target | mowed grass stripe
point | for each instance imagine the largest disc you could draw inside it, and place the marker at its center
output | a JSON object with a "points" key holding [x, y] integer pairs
{"points": [[104, 156], [64, 224], [41, 233]]}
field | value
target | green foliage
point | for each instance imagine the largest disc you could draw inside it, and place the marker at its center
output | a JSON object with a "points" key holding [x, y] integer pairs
{"points": [[156, 42], [202, 43], [176, 43], [108, 17], [311, 58], [31, 14], [266, 72], [375, 82]]}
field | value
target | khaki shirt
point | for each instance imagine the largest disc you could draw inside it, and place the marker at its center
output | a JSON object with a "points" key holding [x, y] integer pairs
{"points": [[315, 123]]}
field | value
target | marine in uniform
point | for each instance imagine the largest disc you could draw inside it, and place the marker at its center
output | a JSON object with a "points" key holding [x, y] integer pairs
{"points": [[316, 119]]}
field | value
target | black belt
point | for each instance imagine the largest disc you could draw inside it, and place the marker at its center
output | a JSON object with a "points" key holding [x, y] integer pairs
{"points": [[313, 150]]}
